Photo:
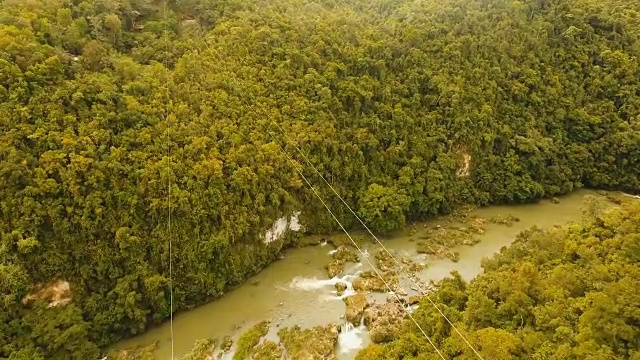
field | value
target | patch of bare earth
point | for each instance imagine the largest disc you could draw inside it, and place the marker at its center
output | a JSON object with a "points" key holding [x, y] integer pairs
{"points": [[465, 169], [56, 293]]}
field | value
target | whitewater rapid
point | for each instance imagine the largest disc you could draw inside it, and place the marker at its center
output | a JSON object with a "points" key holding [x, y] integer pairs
{"points": [[352, 337], [309, 284]]}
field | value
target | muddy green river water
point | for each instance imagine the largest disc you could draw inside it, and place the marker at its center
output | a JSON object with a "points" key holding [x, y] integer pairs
{"points": [[296, 290]]}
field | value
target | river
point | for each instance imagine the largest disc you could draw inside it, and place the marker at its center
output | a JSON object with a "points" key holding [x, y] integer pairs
{"points": [[296, 290]]}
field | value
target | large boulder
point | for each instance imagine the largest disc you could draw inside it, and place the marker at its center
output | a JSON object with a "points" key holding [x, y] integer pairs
{"points": [[369, 284], [317, 343], [385, 262], [335, 268], [384, 321], [356, 305], [369, 281], [341, 256], [415, 299], [268, 350], [340, 288], [345, 254]]}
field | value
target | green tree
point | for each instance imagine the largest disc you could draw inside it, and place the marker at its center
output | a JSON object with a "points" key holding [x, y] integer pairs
{"points": [[383, 208]]}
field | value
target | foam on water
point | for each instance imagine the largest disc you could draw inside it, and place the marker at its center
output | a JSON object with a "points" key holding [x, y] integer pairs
{"points": [[351, 337], [346, 293], [307, 284], [224, 356], [310, 284]]}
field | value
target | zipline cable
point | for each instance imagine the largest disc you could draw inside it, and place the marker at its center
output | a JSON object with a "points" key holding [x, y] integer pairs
{"points": [[168, 139], [209, 47], [362, 253], [354, 243], [398, 263]]}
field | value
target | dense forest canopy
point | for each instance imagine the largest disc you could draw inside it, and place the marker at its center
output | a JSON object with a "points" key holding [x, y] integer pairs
{"points": [[554, 294], [409, 108]]}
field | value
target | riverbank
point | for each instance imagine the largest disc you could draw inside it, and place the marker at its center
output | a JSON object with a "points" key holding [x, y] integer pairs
{"points": [[285, 291]]}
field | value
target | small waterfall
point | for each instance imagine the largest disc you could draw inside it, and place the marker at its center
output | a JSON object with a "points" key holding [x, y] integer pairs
{"points": [[346, 293], [225, 356], [351, 337], [303, 283], [310, 284], [347, 327]]}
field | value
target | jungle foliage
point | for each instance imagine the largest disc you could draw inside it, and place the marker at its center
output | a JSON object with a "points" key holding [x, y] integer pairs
{"points": [[553, 294], [408, 108]]}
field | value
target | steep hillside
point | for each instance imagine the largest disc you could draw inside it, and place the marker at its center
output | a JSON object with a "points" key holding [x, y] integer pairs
{"points": [[408, 108]]}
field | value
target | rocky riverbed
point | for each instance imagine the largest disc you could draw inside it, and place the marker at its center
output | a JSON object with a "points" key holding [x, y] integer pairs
{"points": [[329, 296]]}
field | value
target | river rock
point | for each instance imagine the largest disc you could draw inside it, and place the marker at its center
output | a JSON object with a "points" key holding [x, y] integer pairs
{"points": [[142, 353], [414, 299], [317, 343], [394, 298], [478, 225], [507, 220], [369, 284], [340, 288], [416, 268], [454, 256], [335, 268], [345, 254], [384, 321], [470, 241], [427, 288], [226, 344], [203, 349], [356, 304], [341, 256], [268, 350], [384, 261]]}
